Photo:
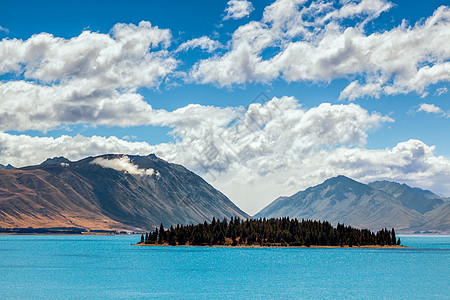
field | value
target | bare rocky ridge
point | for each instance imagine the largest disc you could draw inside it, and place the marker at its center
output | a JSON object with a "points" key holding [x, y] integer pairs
{"points": [[373, 206], [434, 208], [60, 193]]}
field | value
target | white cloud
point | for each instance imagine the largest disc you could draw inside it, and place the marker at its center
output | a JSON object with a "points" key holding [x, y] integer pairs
{"points": [[441, 91], [310, 45], [238, 9], [91, 78], [204, 43], [412, 162], [123, 164], [430, 108], [129, 57], [27, 105], [355, 90], [3, 29], [370, 9]]}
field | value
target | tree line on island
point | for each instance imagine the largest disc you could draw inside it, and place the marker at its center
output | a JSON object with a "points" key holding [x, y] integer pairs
{"points": [[269, 232]]}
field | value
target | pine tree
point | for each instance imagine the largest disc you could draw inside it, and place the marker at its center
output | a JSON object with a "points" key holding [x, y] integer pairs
{"points": [[350, 242], [161, 234], [171, 238], [155, 235], [307, 241]]}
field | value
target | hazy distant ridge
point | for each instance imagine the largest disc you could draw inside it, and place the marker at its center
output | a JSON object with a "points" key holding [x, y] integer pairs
{"points": [[374, 206]]}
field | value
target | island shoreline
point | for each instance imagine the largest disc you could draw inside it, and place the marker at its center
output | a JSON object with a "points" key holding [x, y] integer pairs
{"points": [[275, 246]]}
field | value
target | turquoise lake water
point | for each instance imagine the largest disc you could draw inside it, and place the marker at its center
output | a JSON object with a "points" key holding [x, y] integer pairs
{"points": [[105, 267]]}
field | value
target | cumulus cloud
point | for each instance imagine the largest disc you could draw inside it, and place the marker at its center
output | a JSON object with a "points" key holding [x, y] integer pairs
{"points": [[271, 129], [432, 109], [123, 164], [129, 56], [258, 153], [355, 90], [26, 105], [204, 43], [310, 43], [94, 78], [238, 9], [91, 78]]}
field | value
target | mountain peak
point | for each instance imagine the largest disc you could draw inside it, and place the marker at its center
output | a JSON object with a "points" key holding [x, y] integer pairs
{"points": [[7, 167], [344, 182], [375, 205], [59, 159], [339, 178]]}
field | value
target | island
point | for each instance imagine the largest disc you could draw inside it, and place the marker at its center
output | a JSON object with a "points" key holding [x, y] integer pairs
{"points": [[274, 232]]}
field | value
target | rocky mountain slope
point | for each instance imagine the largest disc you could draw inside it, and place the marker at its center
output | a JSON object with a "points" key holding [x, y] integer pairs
{"points": [[108, 192], [434, 208], [374, 206]]}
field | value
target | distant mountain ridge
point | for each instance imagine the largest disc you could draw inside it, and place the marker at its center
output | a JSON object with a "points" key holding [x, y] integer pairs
{"points": [[108, 192], [420, 200], [60, 159], [7, 167], [375, 205]]}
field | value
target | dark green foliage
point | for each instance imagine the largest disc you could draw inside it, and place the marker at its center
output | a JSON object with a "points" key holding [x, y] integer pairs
{"points": [[154, 235], [162, 235], [270, 232]]}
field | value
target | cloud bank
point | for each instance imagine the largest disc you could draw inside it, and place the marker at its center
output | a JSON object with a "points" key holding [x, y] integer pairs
{"points": [[309, 43], [91, 78], [258, 153], [94, 78]]}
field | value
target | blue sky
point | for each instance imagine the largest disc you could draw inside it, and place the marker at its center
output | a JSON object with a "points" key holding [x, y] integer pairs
{"points": [[386, 86]]}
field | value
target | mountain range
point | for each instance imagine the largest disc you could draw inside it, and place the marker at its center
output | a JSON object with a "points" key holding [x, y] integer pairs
{"points": [[130, 192], [374, 206], [108, 192]]}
